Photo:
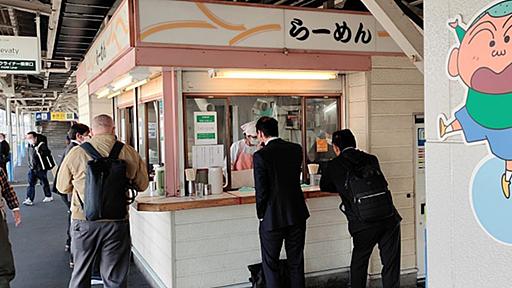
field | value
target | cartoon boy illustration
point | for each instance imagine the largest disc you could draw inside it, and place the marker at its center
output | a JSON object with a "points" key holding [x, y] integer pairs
{"points": [[483, 61]]}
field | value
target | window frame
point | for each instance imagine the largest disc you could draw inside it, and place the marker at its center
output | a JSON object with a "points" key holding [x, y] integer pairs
{"points": [[339, 97]]}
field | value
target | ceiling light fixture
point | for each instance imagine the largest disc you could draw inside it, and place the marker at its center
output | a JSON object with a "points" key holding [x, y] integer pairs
{"points": [[114, 94], [273, 74], [103, 92], [136, 84], [122, 83]]}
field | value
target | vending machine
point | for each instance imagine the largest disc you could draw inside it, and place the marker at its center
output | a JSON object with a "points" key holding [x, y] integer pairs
{"points": [[419, 182]]}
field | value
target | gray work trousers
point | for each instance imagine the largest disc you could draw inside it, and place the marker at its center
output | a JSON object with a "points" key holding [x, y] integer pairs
{"points": [[6, 259], [108, 240]]}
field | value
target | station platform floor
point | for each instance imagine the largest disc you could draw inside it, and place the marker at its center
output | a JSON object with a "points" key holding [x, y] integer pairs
{"points": [[38, 243]]}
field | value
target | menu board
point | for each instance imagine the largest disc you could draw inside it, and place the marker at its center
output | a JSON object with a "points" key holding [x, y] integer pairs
{"points": [[205, 156]]}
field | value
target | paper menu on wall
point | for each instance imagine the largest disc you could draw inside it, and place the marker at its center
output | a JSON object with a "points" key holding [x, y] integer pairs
{"points": [[206, 156]]}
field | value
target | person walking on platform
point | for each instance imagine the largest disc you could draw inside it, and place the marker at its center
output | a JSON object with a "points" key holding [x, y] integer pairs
{"points": [[366, 202], [78, 133], [280, 204], [5, 152], [100, 224], [40, 160], [7, 195]]}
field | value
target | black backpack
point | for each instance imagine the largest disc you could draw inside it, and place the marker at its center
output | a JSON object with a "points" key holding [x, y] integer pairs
{"points": [[107, 188], [371, 199]]}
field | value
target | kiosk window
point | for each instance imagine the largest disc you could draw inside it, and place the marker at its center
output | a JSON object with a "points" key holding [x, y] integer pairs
{"points": [[322, 121], [305, 120], [206, 129], [153, 133]]}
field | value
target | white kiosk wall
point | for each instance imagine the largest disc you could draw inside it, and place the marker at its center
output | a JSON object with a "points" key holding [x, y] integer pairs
{"points": [[461, 251]]}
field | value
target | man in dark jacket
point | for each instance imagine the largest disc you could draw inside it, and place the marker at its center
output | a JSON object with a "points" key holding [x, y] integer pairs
{"points": [[78, 133], [280, 204], [5, 152], [40, 160], [385, 233]]}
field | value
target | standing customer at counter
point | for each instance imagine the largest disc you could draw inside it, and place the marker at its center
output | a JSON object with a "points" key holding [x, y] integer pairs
{"points": [[280, 204], [107, 237], [384, 232]]}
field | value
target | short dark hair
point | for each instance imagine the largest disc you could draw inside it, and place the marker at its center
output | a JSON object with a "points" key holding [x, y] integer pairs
{"points": [[77, 128], [33, 133], [268, 126], [344, 139]]}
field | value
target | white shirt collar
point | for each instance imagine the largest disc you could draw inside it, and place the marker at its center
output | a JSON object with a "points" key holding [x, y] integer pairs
{"points": [[76, 142], [270, 139], [348, 148]]}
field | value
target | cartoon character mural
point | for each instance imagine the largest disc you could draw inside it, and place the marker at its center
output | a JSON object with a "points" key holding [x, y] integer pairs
{"points": [[482, 60]]}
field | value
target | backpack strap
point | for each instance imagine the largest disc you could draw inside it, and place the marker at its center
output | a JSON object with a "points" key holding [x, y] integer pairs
{"points": [[91, 151], [116, 150]]}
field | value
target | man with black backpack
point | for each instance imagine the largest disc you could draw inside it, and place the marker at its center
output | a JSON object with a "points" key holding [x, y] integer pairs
{"points": [[101, 174], [368, 206]]}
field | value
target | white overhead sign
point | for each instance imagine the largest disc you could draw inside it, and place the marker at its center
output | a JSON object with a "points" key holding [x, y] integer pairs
{"points": [[19, 55], [199, 23]]}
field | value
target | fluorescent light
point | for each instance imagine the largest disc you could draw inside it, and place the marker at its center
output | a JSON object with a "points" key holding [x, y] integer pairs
{"points": [[121, 83], [273, 74], [103, 92], [114, 94], [329, 108], [136, 84]]}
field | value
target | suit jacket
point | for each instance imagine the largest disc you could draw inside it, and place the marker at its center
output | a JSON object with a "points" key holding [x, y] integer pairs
{"points": [[279, 197], [5, 151], [334, 178]]}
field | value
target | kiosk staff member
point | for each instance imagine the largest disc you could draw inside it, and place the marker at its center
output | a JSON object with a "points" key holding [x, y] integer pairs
{"points": [[242, 151]]}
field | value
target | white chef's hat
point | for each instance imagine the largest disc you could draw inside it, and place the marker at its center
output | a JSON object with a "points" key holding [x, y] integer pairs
{"points": [[249, 128]]}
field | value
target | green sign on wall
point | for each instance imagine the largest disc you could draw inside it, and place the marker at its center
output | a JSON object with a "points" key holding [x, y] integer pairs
{"points": [[205, 128]]}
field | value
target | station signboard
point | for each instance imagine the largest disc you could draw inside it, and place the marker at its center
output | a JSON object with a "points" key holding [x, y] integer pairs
{"points": [[19, 55], [55, 116]]}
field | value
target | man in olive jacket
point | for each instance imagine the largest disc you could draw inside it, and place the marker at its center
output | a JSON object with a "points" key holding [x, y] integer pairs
{"points": [[108, 238]]}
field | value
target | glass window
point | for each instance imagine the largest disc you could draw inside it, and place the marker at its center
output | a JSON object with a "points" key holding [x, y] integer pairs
{"points": [[162, 130], [122, 125], [141, 121], [287, 110], [153, 141], [218, 106], [319, 115], [126, 126], [322, 120]]}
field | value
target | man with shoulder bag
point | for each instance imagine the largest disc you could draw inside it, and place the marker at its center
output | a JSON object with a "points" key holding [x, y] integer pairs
{"points": [[40, 161], [101, 175], [368, 206]]}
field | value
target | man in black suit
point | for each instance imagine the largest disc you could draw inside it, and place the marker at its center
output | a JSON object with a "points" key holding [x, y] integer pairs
{"points": [[365, 235], [77, 134], [280, 204], [5, 152]]}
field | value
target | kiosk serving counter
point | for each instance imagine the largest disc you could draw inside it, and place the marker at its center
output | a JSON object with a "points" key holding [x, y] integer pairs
{"points": [[159, 64]]}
